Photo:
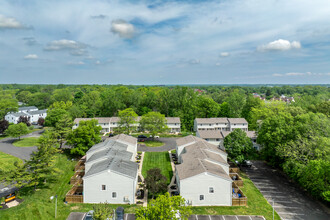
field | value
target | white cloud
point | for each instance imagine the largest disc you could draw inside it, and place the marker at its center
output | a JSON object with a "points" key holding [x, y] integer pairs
{"points": [[224, 54], [218, 64], [280, 45], [194, 61], [31, 57], [300, 74], [122, 28], [65, 45], [9, 23], [75, 63], [98, 62]]}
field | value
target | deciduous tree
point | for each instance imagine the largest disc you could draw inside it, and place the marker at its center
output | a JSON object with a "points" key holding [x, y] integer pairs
{"points": [[154, 122], [17, 130], [4, 124], [84, 137], [127, 119], [155, 181], [238, 145]]}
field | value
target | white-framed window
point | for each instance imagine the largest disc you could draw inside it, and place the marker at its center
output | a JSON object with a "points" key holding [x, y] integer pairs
{"points": [[114, 195], [201, 197], [103, 187], [211, 190]]}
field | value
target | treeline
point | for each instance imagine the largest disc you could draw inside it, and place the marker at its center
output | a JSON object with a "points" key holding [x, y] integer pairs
{"points": [[184, 102]]}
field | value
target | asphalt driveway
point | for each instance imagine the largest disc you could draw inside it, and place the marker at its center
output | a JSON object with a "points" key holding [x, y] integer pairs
{"points": [[169, 144], [289, 201], [24, 153]]}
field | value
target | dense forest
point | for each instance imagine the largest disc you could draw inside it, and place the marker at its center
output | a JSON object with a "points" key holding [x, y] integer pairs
{"points": [[294, 135]]}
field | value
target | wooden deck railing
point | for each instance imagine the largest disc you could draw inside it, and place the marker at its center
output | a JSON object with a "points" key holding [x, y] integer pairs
{"points": [[75, 195], [80, 165], [234, 170], [236, 178], [238, 201]]}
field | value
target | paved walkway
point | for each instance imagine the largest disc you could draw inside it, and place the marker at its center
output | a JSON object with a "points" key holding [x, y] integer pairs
{"points": [[289, 201], [24, 153], [169, 144]]}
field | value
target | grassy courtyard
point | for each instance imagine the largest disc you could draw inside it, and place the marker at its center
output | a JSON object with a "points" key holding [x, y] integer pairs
{"points": [[7, 161], [26, 142], [160, 160]]}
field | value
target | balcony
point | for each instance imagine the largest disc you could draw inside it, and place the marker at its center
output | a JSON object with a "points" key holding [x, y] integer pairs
{"points": [[238, 197], [81, 164], [77, 177], [237, 179], [75, 195]]}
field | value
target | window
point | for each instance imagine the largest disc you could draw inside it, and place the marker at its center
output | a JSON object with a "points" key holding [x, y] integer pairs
{"points": [[217, 139], [103, 187], [234, 124], [201, 197], [211, 190], [114, 195], [210, 124]]}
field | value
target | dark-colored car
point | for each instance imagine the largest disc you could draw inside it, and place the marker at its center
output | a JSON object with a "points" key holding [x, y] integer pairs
{"points": [[120, 213], [175, 193], [142, 138], [111, 135], [89, 215], [245, 163], [173, 187]]}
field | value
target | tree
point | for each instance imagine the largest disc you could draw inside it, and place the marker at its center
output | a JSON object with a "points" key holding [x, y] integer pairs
{"points": [[155, 181], [224, 110], [154, 122], [40, 167], [102, 211], [84, 137], [4, 124], [24, 119], [238, 145], [17, 130], [165, 207], [127, 119], [63, 128], [236, 101], [41, 121], [54, 115], [207, 107]]}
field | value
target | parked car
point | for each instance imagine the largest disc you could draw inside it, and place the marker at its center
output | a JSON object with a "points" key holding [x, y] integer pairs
{"points": [[142, 138], [175, 193], [111, 135], [120, 213], [245, 163], [174, 187], [89, 215]]}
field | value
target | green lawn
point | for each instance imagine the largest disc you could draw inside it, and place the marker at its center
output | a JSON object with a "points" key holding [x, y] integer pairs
{"points": [[152, 143], [7, 161], [37, 205], [160, 160], [2, 136], [26, 142], [257, 204]]}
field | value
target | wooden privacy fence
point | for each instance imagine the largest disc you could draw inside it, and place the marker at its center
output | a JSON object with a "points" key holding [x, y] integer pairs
{"points": [[236, 200], [75, 195], [239, 201], [80, 165], [234, 170]]}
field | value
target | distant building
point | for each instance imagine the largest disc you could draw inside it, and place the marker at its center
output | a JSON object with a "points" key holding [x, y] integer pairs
{"points": [[222, 124], [31, 112], [109, 124]]}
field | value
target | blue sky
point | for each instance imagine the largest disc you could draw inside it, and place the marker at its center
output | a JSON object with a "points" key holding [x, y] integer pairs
{"points": [[165, 42]]}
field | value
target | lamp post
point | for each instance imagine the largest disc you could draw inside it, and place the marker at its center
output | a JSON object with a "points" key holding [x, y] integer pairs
{"points": [[51, 198]]}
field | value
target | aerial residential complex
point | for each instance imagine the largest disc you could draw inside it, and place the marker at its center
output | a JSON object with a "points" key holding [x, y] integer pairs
{"points": [[203, 173], [31, 112], [109, 124]]}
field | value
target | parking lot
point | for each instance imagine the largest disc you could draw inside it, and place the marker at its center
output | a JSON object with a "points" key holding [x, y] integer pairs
{"points": [[289, 201], [211, 217]]}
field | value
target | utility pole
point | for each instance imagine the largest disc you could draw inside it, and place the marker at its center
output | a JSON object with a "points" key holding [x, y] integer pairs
{"points": [[273, 209]]}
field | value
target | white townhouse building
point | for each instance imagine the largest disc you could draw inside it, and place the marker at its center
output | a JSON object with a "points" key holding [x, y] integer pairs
{"points": [[104, 122], [109, 124], [111, 173], [31, 112], [222, 124], [203, 173]]}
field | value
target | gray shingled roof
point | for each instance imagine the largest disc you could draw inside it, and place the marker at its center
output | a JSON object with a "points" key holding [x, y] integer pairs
{"points": [[210, 134], [101, 120], [108, 143], [237, 121], [111, 152], [211, 120], [187, 140], [19, 114], [173, 120], [126, 168], [26, 108], [43, 111], [125, 138]]}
